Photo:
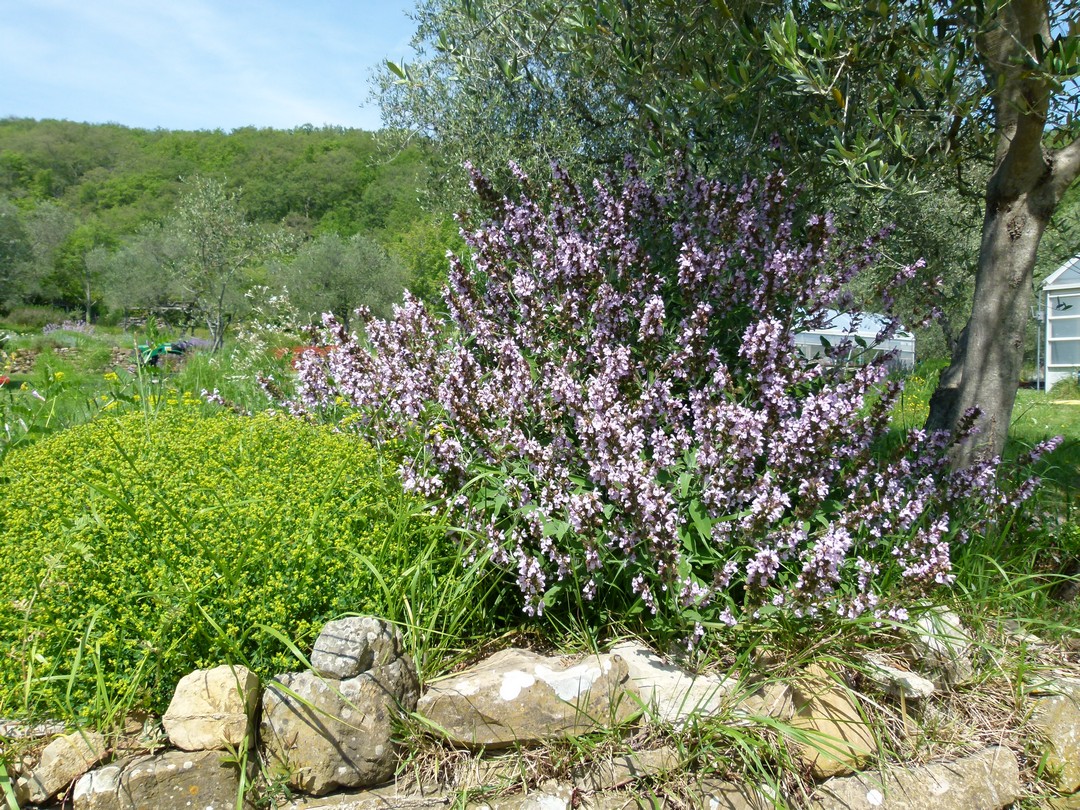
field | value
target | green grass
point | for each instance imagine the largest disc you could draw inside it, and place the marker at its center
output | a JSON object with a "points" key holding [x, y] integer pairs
{"points": [[1037, 416], [75, 376]]}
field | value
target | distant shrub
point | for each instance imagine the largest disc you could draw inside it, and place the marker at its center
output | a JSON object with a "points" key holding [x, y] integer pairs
{"points": [[139, 547], [82, 327], [35, 317], [615, 402]]}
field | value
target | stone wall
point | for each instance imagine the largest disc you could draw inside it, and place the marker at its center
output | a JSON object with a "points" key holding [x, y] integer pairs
{"points": [[330, 737]]}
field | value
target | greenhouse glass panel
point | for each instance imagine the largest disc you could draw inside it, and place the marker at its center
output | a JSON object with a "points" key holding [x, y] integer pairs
{"points": [[1065, 328], [1065, 353], [845, 331], [1064, 305]]}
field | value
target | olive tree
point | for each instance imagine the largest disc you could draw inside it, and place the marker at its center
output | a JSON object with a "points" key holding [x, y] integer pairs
{"points": [[220, 246], [339, 275], [894, 97], [140, 273]]}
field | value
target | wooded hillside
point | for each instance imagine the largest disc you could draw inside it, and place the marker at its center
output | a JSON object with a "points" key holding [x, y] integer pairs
{"points": [[70, 192]]}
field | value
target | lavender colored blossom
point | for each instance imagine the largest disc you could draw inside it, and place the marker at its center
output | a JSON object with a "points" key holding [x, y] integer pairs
{"points": [[68, 326], [615, 394]]}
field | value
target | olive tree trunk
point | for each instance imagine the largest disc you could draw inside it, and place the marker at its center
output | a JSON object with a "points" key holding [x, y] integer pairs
{"points": [[1028, 182]]}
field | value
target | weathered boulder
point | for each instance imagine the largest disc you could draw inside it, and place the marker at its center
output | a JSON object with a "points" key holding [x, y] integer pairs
{"points": [[519, 697], [347, 647], [62, 761], [616, 771], [986, 780], [325, 734], [940, 648], [100, 789], [213, 709], [895, 681], [770, 699], [1055, 717], [199, 779], [398, 679], [670, 694], [547, 797], [837, 738], [384, 798]]}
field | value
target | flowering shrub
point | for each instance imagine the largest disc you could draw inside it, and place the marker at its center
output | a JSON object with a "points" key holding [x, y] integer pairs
{"points": [[616, 404], [81, 327]]}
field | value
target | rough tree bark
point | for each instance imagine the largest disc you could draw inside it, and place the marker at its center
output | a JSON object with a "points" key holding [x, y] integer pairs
{"points": [[1028, 182]]}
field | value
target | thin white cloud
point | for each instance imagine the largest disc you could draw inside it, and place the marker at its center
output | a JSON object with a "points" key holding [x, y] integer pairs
{"points": [[197, 64]]}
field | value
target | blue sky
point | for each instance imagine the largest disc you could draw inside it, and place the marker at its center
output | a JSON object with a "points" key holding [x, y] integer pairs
{"points": [[198, 64]]}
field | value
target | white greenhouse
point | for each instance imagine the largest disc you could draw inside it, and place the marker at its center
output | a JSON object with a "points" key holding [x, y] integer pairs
{"points": [[1061, 305], [867, 326]]}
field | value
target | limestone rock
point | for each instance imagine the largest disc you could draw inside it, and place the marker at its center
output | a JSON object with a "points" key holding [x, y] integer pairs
{"points": [[385, 798], [706, 794], [347, 647], [506, 770], [669, 694], [548, 797], [771, 699], [62, 761], [625, 768], [987, 780], [100, 789], [325, 734], [399, 680], [212, 709], [721, 795], [17, 730], [839, 740], [519, 697], [897, 682], [941, 648], [1055, 715], [199, 779]]}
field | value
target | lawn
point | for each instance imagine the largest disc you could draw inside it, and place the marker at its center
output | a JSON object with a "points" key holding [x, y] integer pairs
{"points": [[1037, 415]]}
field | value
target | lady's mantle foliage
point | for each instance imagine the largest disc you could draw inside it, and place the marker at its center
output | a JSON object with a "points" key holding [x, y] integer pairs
{"points": [[616, 401], [173, 541]]}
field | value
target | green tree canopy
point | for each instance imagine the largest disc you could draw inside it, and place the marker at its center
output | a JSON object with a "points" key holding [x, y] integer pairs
{"points": [[61, 176], [220, 245], [883, 94], [339, 275], [140, 274], [15, 252]]}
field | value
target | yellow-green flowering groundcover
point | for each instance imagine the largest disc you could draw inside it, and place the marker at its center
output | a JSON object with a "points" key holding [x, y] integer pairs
{"points": [[137, 548]]}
